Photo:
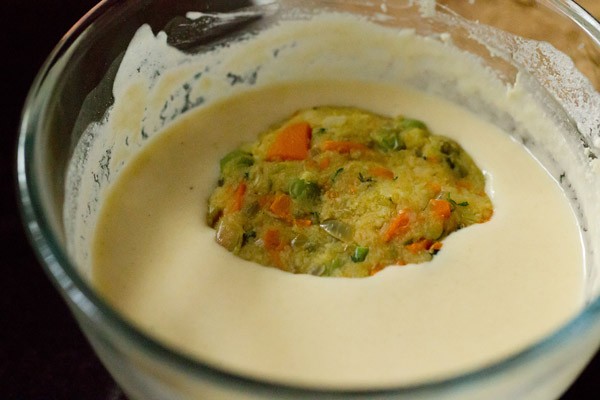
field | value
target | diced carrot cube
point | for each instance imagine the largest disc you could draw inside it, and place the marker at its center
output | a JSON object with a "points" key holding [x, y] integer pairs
{"points": [[291, 143], [343, 146], [416, 247], [272, 239], [237, 200], [381, 172], [399, 224], [441, 208], [281, 206]]}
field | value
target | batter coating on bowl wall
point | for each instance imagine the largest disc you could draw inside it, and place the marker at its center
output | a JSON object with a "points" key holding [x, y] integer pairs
{"points": [[338, 191]]}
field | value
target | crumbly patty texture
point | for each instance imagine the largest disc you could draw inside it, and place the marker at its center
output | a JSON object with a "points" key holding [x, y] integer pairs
{"points": [[336, 191]]}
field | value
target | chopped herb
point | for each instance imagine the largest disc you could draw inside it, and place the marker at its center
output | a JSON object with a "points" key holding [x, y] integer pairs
{"points": [[455, 165], [364, 179], [455, 204], [449, 148], [320, 131], [339, 171], [247, 236], [316, 217]]}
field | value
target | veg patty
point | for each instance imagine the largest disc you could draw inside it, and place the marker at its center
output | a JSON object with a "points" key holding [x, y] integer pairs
{"points": [[337, 191]]}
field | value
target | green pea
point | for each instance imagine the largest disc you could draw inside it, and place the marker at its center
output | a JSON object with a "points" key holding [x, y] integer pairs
{"points": [[304, 190], [360, 254], [388, 139], [235, 159], [408, 123]]}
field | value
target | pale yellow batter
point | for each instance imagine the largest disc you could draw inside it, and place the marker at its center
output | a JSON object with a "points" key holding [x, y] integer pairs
{"points": [[495, 288]]}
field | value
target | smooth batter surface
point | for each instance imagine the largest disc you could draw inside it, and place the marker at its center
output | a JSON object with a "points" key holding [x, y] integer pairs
{"points": [[495, 288]]}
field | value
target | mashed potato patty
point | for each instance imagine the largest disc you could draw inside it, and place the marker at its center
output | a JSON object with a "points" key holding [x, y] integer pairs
{"points": [[338, 191]]}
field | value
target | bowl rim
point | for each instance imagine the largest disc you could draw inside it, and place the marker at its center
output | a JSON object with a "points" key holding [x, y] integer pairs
{"points": [[80, 295]]}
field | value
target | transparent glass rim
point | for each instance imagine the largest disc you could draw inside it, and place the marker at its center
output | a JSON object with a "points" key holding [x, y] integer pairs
{"points": [[80, 293]]}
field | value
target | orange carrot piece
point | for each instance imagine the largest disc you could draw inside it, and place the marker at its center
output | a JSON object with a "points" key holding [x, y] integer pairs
{"points": [[436, 246], [324, 163], [237, 200], [435, 187], [441, 208], [416, 247], [381, 172], [291, 143], [265, 200], [342, 147], [376, 268], [272, 240], [487, 214], [281, 206], [397, 225], [463, 184], [302, 222], [274, 245]]}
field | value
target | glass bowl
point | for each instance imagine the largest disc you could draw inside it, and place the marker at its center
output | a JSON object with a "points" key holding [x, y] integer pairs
{"points": [[73, 90]]}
